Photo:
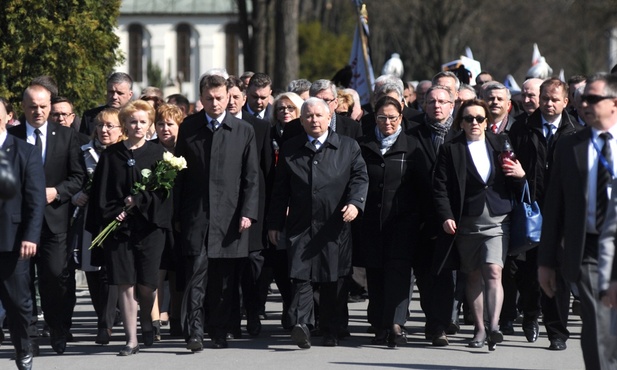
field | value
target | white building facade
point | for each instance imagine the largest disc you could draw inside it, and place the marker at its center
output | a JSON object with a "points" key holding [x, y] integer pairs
{"points": [[181, 38]]}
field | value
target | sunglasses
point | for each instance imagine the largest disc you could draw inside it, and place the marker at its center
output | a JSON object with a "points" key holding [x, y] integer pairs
{"points": [[470, 119], [594, 99]]}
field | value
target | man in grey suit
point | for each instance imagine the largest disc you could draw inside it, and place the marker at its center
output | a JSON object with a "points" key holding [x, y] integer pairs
{"points": [[574, 212]]}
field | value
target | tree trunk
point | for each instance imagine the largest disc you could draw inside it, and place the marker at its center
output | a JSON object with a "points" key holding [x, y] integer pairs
{"points": [[287, 60]]}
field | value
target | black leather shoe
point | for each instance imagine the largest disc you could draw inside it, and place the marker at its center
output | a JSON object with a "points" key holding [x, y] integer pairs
{"points": [[440, 340], [128, 350], [218, 343], [253, 325], [301, 336], [148, 338], [58, 343], [507, 328], [453, 328], [531, 330], [494, 337], [557, 345], [103, 336], [330, 341], [195, 343], [24, 360]]}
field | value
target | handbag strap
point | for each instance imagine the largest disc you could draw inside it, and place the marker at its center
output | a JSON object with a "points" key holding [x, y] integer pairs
{"points": [[525, 195]]}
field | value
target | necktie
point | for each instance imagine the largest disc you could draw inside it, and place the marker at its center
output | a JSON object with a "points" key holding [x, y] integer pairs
{"points": [[549, 134], [256, 114], [604, 178], [37, 139], [215, 124], [494, 128], [315, 142]]}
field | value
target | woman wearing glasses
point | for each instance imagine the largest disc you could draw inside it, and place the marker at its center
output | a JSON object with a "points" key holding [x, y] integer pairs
{"points": [[388, 229], [286, 109], [473, 198], [104, 296], [133, 251]]}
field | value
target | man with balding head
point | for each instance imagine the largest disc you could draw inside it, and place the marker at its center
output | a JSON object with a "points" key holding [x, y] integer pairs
{"points": [[64, 176]]}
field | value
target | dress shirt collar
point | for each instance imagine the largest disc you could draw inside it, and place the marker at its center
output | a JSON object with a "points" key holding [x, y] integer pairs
{"points": [[320, 140]]}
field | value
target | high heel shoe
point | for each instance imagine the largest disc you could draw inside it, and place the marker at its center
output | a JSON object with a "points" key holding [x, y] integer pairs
{"points": [[128, 350], [494, 337], [476, 343]]}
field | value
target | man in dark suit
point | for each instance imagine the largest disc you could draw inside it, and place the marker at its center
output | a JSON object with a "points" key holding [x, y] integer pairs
{"points": [[534, 138], [217, 200], [258, 95], [64, 175], [326, 91], [436, 285], [21, 218], [119, 92], [574, 210], [498, 98], [321, 206], [254, 302]]}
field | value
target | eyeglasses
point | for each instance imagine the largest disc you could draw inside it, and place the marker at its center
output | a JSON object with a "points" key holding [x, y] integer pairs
{"points": [[108, 127], [594, 99], [288, 108], [470, 119], [61, 115], [384, 119], [438, 102], [328, 101]]}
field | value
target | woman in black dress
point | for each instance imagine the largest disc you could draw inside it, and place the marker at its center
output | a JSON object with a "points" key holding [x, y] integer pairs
{"points": [[388, 229], [133, 251]]}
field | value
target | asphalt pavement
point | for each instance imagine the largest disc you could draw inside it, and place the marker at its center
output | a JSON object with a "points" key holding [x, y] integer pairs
{"points": [[273, 349]]}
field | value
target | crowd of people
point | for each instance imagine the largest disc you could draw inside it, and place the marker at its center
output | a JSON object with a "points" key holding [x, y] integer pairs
{"points": [[328, 198]]}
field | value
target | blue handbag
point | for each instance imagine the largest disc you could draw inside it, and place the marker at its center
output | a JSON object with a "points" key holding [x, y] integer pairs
{"points": [[525, 224]]}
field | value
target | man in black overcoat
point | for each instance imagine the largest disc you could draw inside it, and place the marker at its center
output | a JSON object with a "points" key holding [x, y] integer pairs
{"points": [[216, 201], [321, 178]]}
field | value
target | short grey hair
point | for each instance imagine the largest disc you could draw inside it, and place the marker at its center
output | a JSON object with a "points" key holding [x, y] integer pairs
{"points": [[299, 86], [494, 85], [313, 101], [387, 88], [439, 87], [450, 74], [321, 85], [117, 78], [468, 88]]}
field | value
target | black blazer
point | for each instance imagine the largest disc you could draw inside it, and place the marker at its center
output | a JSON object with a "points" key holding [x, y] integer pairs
{"points": [[345, 126], [64, 170], [87, 125], [450, 187], [21, 217]]}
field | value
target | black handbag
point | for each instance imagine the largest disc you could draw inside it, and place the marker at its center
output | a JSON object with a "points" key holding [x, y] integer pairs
{"points": [[525, 224]]}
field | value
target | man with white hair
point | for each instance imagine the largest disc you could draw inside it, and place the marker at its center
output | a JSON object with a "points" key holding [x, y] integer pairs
{"points": [[318, 229]]}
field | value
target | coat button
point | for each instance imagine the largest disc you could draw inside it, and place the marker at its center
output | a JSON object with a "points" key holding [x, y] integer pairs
{"points": [[485, 186], [383, 165], [379, 205], [381, 185], [315, 162]]}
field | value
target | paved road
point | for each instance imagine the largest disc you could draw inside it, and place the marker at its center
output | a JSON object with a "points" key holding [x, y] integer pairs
{"points": [[274, 350]]}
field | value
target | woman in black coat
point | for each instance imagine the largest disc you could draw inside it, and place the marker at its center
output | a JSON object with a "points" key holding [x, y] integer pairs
{"points": [[133, 252], [389, 226], [473, 198]]}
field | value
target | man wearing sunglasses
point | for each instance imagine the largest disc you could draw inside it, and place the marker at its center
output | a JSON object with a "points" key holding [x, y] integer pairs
{"points": [[574, 215], [534, 140]]}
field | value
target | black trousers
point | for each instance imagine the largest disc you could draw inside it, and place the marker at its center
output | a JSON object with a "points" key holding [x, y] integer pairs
{"points": [[522, 277], [276, 261], [330, 294], [15, 296], [389, 293], [104, 298], [250, 282], [194, 298], [57, 293], [436, 290]]}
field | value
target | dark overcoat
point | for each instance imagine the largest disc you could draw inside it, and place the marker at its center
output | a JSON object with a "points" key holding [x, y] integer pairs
{"points": [[389, 226], [316, 185], [219, 186]]}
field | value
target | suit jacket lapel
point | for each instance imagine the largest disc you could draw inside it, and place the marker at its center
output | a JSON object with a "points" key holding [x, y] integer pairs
{"points": [[459, 159]]}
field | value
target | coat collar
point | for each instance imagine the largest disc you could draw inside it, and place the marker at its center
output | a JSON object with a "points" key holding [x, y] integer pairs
{"points": [[370, 142]]}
